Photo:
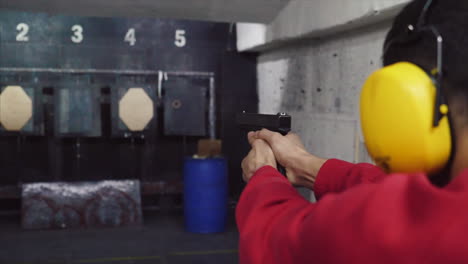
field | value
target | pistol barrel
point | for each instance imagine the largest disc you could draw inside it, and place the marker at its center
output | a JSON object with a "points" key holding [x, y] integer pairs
{"points": [[278, 123]]}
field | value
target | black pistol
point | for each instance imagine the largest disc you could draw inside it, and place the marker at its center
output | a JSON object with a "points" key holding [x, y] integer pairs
{"points": [[280, 123]]}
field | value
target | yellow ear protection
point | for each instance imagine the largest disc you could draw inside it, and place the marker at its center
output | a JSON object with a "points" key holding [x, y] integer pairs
{"points": [[404, 116]]}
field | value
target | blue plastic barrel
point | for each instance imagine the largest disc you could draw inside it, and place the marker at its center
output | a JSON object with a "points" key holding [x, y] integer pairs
{"points": [[205, 195]]}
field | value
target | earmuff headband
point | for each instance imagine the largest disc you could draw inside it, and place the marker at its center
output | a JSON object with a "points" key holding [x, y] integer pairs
{"points": [[441, 108]]}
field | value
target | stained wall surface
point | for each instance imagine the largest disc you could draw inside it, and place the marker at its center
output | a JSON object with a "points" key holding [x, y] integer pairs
{"points": [[319, 82]]}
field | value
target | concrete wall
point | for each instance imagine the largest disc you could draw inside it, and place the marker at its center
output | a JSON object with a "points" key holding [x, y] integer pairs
{"points": [[319, 83]]}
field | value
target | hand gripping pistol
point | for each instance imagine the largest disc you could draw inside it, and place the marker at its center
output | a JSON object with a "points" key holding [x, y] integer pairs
{"points": [[280, 123]]}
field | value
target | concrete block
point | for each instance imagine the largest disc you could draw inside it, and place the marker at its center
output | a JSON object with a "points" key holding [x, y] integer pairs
{"points": [[59, 205], [253, 35], [302, 19]]}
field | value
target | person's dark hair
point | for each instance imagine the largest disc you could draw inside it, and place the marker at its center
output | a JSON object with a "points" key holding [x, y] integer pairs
{"points": [[450, 17]]}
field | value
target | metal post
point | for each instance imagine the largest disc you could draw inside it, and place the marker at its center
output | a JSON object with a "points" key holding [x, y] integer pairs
{"points": [[212, 109]]}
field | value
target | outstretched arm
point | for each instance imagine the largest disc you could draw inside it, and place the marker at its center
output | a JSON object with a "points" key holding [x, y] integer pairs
{"points": [[303, 168], [336, 176]]}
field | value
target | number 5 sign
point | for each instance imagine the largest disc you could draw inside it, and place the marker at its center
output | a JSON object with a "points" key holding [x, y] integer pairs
{"points": [[180, 40]]}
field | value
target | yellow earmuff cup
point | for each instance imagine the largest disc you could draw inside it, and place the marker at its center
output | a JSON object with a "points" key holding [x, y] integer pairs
{"points": [[397, 110]]}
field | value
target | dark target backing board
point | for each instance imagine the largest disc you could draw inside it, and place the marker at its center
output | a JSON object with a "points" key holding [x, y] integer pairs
{"points": [[60, 44], [47, 41]]}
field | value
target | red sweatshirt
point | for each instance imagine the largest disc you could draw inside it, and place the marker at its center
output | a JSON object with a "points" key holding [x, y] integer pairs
{"points": [[363, 216]]}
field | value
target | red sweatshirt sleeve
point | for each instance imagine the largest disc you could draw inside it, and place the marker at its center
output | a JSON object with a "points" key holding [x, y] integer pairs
{"points": [[336, 176], [394, 219]]}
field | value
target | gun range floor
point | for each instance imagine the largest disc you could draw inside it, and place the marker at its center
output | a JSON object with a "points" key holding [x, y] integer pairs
{"points": [[161, 239]]}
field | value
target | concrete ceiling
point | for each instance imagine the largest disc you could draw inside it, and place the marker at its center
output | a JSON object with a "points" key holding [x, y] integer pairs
{"points": [[260, 11]]}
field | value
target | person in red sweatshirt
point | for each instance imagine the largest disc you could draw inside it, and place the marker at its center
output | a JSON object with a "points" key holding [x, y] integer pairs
{"points": [[364, 215]]}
